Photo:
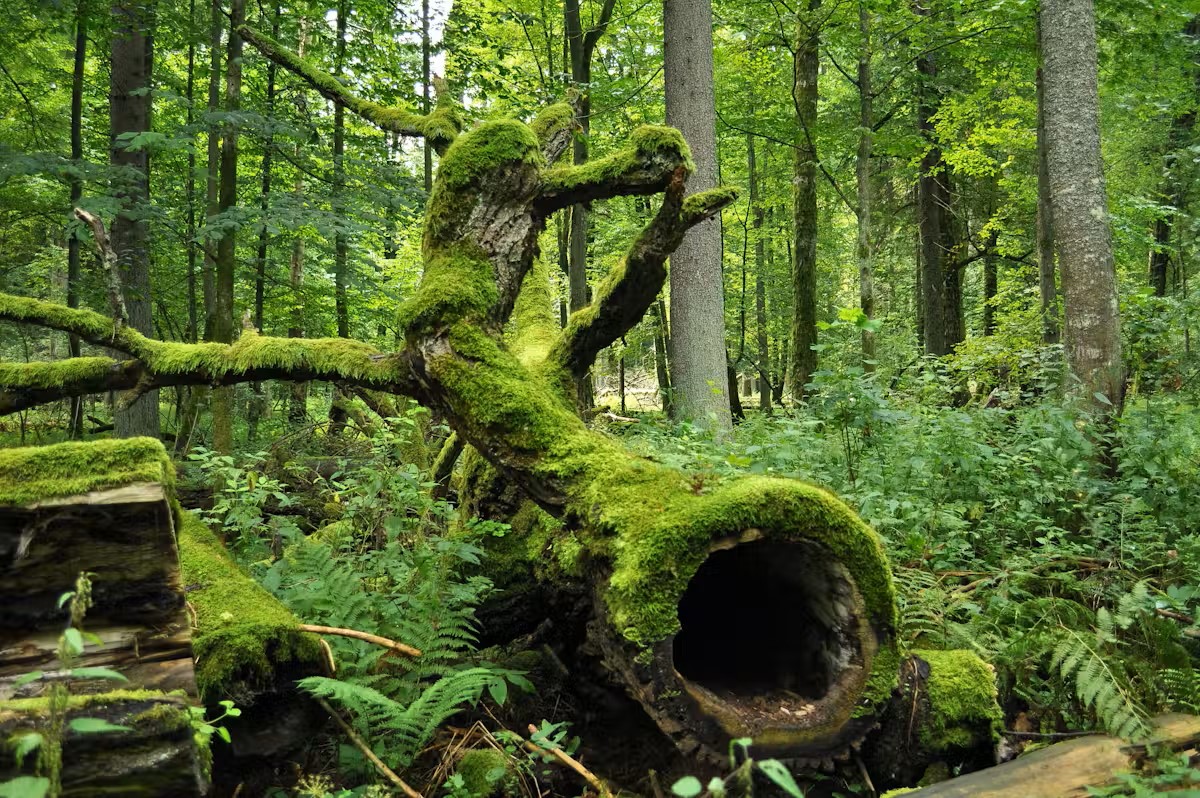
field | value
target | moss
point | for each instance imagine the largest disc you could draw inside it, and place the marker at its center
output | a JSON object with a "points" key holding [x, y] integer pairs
{"points": [[551, 119], [962, 701], [899, 791], [168, 716], [68, 469], [648, 140], [701, 202], [882, 681], [55, 374], [243, 636], [333, 534], [534, 327], [459, 281], [486, 773]]}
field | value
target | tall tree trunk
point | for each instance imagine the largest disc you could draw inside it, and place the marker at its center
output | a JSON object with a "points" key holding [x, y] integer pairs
{"points": [[866, 119], [805, 73], [426, 86], [258, 401], [129, 109], [226, 262], [1047, 281], [341, 244], [193, 329], [758, 214], [942, 239], [297, 412], [1174, 185], [75, 425], [1077, 196]]}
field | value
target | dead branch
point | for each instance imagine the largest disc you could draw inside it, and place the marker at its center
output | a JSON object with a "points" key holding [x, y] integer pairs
{"points": [[366, 636], [362, 746]]}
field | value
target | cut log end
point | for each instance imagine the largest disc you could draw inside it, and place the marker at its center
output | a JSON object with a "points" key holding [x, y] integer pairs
{"points": [[772, 643]]}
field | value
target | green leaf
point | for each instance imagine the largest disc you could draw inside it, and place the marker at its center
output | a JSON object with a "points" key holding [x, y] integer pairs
{"points": [[498, 690], [25, 787], [25, 679], [776, 772], [687, 787], [27, 744], [95, 726], [98, 673], [65, 597], [74, 640]]}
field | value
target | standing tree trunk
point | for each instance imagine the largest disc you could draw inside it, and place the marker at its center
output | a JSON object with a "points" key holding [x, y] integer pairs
{"points": [[699, 371], [226, 261], [297, 412], [1080, 207], [129, 109], [758, 214], [661, 347], [426, 89], [75, 425], [805, 73], [1047, 282], [866, 279]]}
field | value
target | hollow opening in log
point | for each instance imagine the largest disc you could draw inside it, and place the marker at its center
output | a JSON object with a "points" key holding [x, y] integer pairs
{"points": [[767, 619]]}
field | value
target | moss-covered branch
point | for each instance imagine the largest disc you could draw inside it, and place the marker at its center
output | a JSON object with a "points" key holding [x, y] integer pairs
{"points": [[159, 364], [554, 127], [646, 166], [439, 127], [629, 290]]}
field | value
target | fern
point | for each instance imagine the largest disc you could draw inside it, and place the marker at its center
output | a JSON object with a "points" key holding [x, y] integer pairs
{"points": [[1099, 682], [1180, 689]]}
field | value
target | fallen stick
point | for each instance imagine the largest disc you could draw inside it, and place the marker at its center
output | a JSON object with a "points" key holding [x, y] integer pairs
{"points": [[362, 746], [357, 635], [591, 778]]}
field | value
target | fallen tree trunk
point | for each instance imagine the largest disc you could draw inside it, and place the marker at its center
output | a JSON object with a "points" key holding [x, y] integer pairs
{"points": [[1067, 769], [746, 607]]}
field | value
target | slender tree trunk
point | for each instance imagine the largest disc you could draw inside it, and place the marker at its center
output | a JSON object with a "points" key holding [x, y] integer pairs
{"points": [[1080, 207], [758, 214], [426, 85], [1047, 281], [805, 73], [213, 169], [942, 239], [193, 330], [341, 244], [866, 279], [297, 411], [129, 109], [226, 262], [661, 368], [1174, 183], [75, 424]]}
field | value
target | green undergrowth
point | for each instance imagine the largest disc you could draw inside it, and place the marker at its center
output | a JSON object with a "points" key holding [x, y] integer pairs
{"points": [[963, 712]]}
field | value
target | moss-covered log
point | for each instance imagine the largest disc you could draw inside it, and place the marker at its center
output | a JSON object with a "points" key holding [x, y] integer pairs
{"points": [[148, 752], [675, 564]]}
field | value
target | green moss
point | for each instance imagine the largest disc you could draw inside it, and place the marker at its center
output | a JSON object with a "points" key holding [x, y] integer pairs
{"points": [[459, 281], [243, 635], [333, 534], [534, 327], [55, 374], [882, 681], [899, 791], [486, 773], [163, 716], [552, 119], [69, 469], [962, 701], [648, 140], [701, 202]]}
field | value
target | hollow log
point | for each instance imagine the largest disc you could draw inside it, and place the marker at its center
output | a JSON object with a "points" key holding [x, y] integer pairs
{"points": [[652, 541]]}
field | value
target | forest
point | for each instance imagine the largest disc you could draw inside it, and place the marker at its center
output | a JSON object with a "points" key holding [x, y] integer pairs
{"points": [[531, 398]]}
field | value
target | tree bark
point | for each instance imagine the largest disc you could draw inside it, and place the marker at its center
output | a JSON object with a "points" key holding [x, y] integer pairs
{"points": [[699, 376], [866, 121], [758, 214], [1078, 201], [805, 75], [129, 110], [1047, 279], [75, 425]]}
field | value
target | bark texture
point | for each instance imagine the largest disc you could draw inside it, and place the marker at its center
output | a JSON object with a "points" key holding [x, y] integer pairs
{"points": [[1080, 207], [699, 379], [129, 113], [806, 69]]}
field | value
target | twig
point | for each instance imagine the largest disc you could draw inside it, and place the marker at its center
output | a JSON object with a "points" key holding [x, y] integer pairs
{"points": [[116, 297], [1182, 618], [367, 752], [1049, 735], [357, 635], [562, 756]]}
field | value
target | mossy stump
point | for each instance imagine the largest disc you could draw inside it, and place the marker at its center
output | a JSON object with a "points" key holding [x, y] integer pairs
{"points": [[104, 508]]}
